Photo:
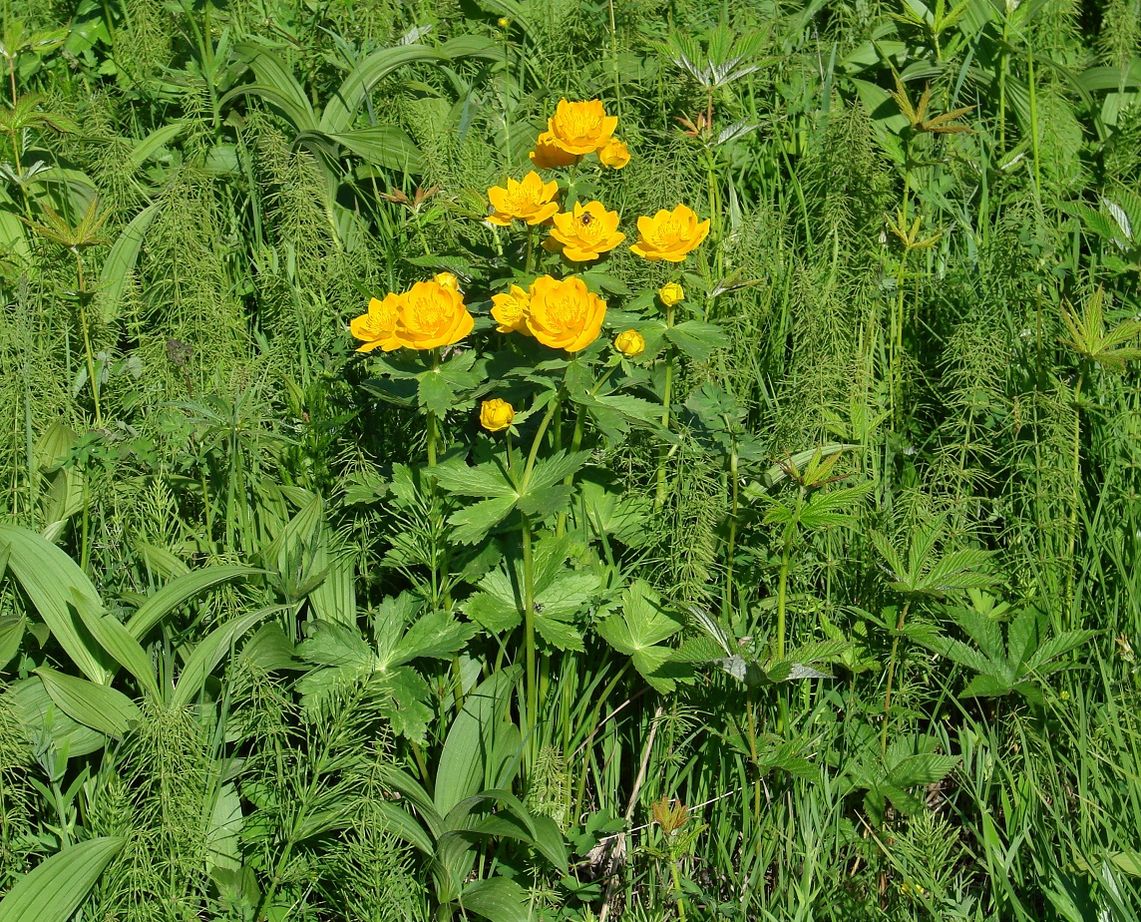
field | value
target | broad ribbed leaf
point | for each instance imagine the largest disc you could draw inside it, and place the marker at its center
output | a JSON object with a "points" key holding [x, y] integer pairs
{"points": [[54, 889], [52, 580], [181, 590], [97, 706]]}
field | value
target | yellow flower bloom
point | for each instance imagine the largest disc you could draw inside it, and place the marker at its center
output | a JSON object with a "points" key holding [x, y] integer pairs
{"points": [[529, 200], [671, 293], [431, 315], [495, 415], [581, 127], [670, 235], [587, 232], [564, 314], [378, 327], [548, 154], [630, 343], [615, 154], [447, 280], [510, 310]]}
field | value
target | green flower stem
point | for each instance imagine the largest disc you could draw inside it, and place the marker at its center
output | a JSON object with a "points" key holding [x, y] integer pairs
{"points": [[891, 674], [667, 396], [533, 455], [532, 688], [576, 443], [678, 894]]}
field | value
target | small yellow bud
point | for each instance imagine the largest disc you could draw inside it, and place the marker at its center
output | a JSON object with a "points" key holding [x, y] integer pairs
{"points": [[630, 343], [503, 22], [671, 294], [447, 280], [496, 415]]}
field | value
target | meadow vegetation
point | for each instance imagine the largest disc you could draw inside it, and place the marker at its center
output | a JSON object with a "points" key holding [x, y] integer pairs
{"points": [[570, 460]]}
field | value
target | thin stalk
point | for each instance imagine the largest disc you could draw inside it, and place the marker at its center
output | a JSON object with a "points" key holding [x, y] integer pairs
{"points": [[678, 895], [731, 547], [614, 61], [1034, 126], [82, 301], [532, 689], [891, 673], [667, 396], [1075, 491]]}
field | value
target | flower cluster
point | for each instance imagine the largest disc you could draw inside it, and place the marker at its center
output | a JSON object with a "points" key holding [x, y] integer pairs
{"points": [[429, 315], [558, 313], [575, 130], [561, 314]]}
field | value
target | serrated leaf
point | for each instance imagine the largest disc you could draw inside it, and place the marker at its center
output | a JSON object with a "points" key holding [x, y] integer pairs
{"points": [[696, 339], [553, 470], [471, 523], [437, 635], [480, 480], [544, 501]]}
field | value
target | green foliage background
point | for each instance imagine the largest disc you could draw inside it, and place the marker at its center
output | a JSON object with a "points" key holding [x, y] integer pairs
{"points": [[195, 198]]}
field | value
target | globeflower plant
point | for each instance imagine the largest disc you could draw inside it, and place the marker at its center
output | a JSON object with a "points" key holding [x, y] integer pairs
{"points": [[529, 363]]}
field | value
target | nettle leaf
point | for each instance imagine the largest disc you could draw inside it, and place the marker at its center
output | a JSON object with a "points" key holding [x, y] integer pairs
{"points": [[640, 630], [696, 339]]}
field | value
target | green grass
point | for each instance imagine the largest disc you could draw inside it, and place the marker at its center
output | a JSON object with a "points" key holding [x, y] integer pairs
{"points": [[880, 540]]}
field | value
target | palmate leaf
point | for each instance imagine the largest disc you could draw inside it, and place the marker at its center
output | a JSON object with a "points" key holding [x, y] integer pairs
{"points": [[639, 632], [697, 340], [560, 594], [473, 522], [480, 480]]}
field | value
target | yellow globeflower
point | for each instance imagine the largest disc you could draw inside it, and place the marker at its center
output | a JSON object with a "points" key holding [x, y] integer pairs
{"points": [[510, 310], [432, 315], [671, 293], [529, 200], [587, 232], [630, 343], [447, 280], [615, 154], [581, 127], [378, 327], [548, 154], [564, 314], [670, 235], [495, 415]]}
